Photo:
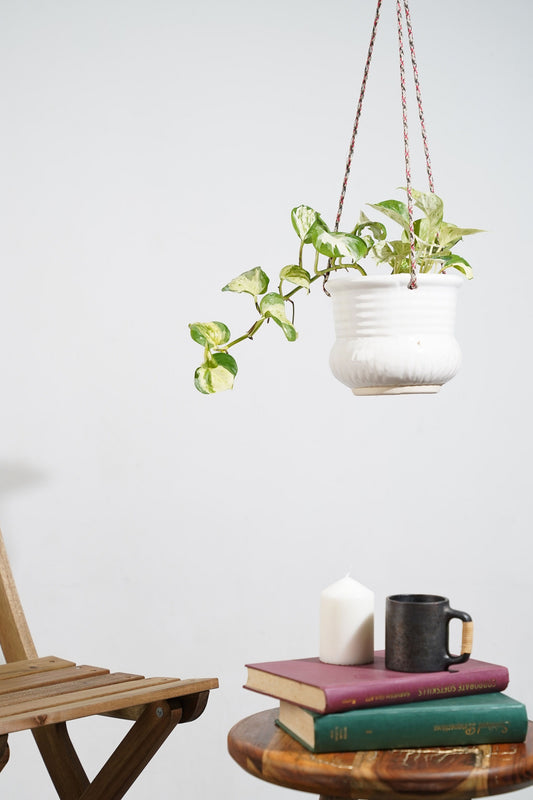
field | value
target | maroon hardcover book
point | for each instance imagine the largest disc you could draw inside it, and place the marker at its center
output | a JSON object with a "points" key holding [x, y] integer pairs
{"points": [[327, 688]]}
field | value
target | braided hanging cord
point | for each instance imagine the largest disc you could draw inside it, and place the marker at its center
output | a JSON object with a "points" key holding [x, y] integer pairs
{"points": [[357, 116], [418, 94], [410, 203], [413, 280]]}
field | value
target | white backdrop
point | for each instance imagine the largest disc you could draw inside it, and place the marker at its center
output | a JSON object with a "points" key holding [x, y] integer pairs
{"points": [[150, 150]]}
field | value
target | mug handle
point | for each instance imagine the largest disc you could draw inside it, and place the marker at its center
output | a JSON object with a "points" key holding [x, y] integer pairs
{"points": [[467, 639]]}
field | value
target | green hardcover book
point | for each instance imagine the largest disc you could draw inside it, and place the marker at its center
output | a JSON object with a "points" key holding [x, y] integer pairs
{"points": [[469, 720]]}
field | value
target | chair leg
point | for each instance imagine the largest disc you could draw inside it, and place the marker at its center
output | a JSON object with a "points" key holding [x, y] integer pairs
{"points": [[134, 752], [126, 763], [61, 760], [4, 751]]}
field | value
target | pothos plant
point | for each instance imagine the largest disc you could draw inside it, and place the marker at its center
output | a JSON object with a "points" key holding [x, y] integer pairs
{"points": [[434, 243]]}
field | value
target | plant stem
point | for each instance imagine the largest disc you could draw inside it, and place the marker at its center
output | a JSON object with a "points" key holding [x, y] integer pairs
{"points": [[248, 335], [321, 273], [293, 309]]}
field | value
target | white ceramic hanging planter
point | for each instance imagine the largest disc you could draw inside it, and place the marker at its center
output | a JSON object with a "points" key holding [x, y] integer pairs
{"points": [[391, 339]]}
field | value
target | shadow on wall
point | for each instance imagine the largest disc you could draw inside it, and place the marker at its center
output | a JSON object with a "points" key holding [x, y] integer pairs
{"points": [[16, 476]]}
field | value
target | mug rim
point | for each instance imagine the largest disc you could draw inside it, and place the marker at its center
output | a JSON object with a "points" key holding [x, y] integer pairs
{"points": [[417, 599]]}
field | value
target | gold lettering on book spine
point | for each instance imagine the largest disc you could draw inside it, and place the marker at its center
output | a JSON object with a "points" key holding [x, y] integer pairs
{"points": [[478, 686], [339, 734], [469, 728], [437, 690], [460, 688], [385, 699]]}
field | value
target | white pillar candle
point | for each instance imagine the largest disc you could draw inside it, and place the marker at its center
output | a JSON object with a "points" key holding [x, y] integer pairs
{"points": [[347, 623]]}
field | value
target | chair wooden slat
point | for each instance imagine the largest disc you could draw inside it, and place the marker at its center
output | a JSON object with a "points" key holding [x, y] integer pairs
{"points": [[40, 694], [25, 715], [90, 695], [35, 679], [32, 666]]}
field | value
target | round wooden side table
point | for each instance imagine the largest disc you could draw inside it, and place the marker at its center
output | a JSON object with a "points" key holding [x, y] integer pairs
{"points": [[457, 773]]}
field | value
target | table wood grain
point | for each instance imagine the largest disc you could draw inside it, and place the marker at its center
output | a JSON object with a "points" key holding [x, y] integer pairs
{"points": [[454, 773]]}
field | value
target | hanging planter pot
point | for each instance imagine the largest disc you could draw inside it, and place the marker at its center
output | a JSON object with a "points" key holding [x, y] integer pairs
{"points": [[390, 340], [395, 332]]}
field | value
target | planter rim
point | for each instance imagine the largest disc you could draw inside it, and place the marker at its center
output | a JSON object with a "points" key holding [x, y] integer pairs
{"points": [[391, 281]]}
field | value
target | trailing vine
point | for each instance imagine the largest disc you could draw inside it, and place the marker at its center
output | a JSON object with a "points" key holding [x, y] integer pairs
{"points": [[434, 240]]}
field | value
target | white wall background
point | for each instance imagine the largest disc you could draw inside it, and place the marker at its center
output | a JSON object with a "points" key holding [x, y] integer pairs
{"points": [[150, 150]]}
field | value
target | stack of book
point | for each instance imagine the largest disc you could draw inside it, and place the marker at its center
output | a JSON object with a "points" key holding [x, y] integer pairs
{"points": [[330, 708]]}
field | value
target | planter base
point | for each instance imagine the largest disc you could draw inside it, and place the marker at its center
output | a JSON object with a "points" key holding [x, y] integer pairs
{"points": [[420, 389], [391, 340]]}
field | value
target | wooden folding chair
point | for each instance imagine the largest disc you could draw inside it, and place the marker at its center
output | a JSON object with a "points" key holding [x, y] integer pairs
{"points": [[43, 694]]}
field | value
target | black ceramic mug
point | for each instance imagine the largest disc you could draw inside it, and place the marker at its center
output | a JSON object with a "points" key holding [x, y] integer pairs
{"points": [[416, 633]]}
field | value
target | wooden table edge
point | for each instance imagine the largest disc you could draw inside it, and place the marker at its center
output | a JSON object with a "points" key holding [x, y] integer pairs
{"points": [[263, 750]]}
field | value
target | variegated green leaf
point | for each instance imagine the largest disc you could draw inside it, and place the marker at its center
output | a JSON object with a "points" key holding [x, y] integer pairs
{"points": [[450, 234], [273, 305], [395, 253], [296, 275], [210, 334], [254, 282], [216, 374], [395, 210], [431, 204], [458, 263], [377, 229], [425, 232], [288, 329], [303, 219], [339, 245]]}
